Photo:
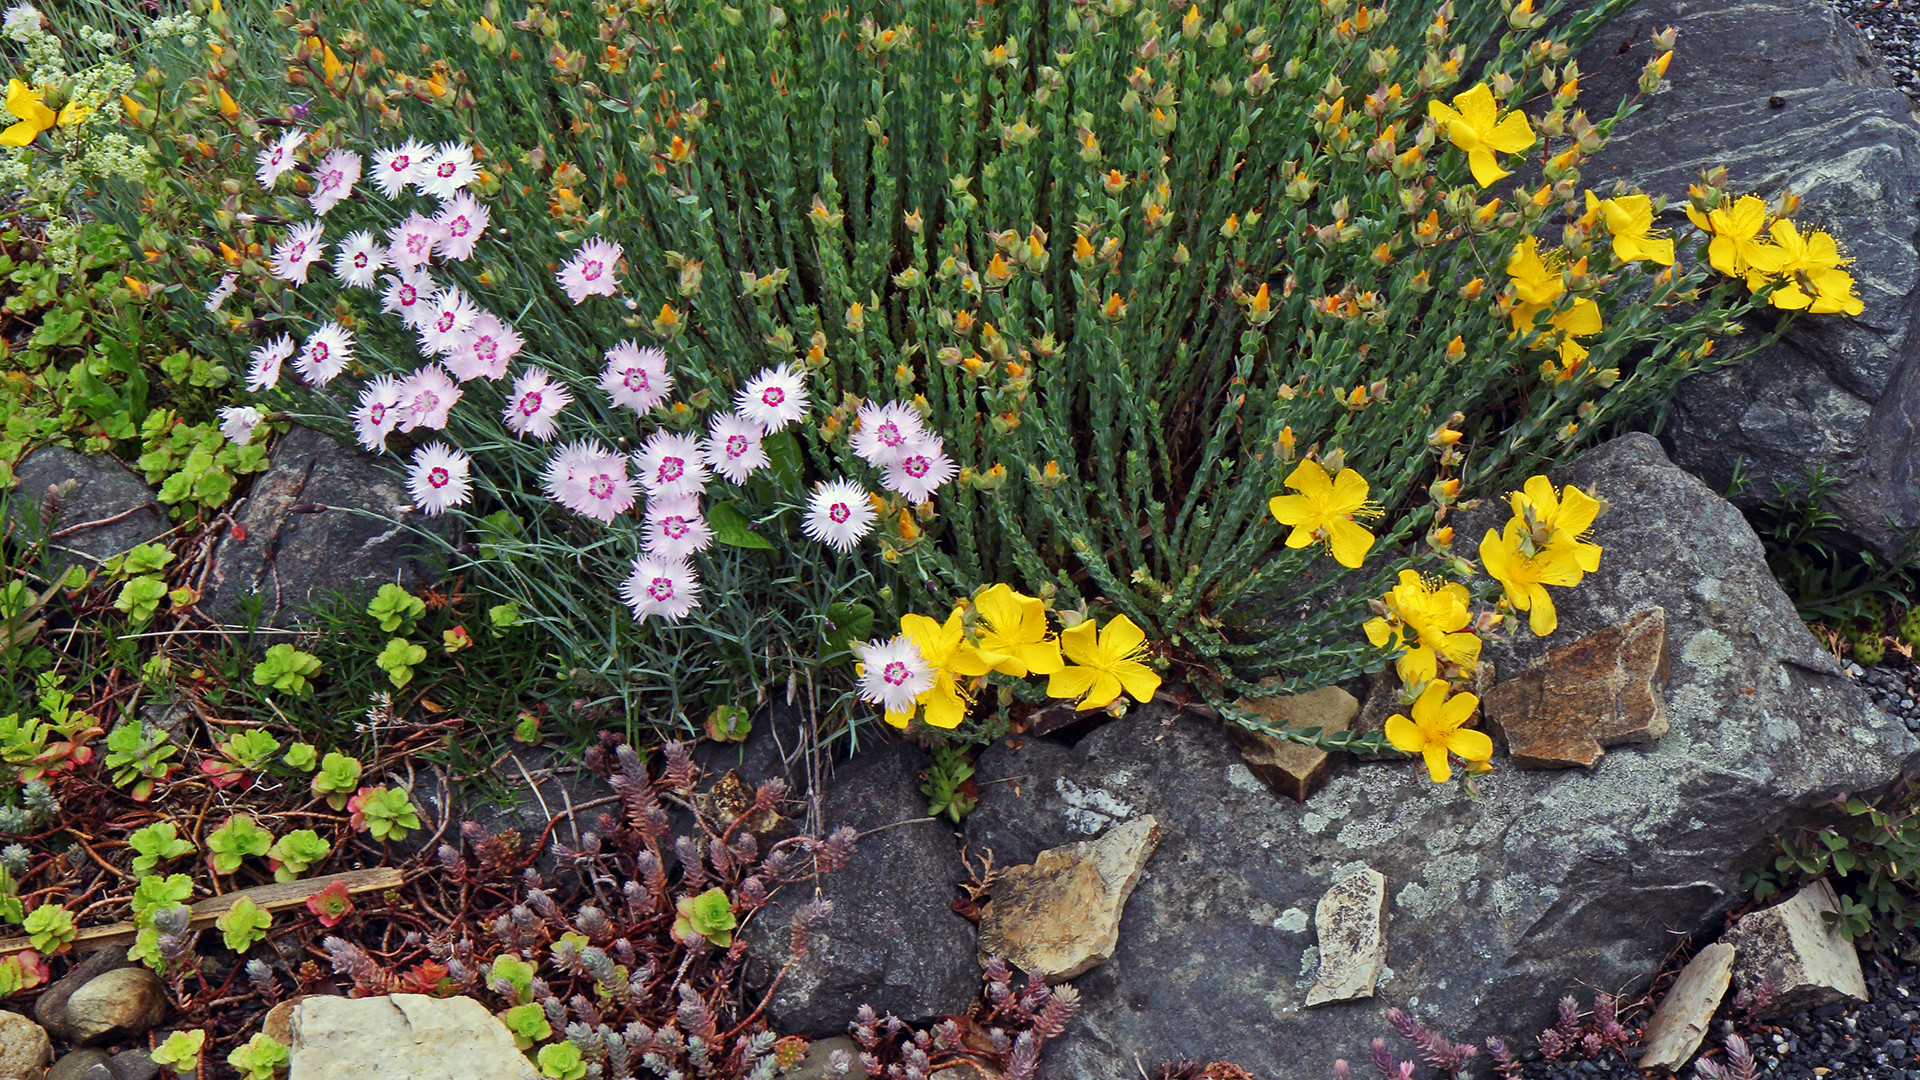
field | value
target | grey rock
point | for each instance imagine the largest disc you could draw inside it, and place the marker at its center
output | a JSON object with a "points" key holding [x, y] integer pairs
{"points": [[1788, 96], [1350, 923], [1059, 916], [86, 1064], [1681, 1021], [892, 940], [123, 1003], [1500, 903], [817, 1065], [336, 1038], [1792, 942], [319, 522], [84, 490], [25, 1049], [50, 1008], [134, 1065]]}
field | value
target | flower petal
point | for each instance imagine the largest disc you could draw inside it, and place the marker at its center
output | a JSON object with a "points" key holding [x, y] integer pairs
{"points": [[1071, 682], [1081, 646], [1105, 688], [1139, 680], [1437, 766], [1349, 492], [1405, 735], [1120, 639], [1470, 744], [1350, 542], [1543, 619]]}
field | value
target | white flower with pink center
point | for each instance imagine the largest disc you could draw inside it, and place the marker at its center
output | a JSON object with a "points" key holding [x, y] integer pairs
{"points": [[449, 169], [774, 398], [490, 343], [333, 180], [359, 259], [409, 294], [920, 470], [733, 447], [295, 255], [893, 674], [410, 244], [671, 465], [533, 409], [426, 396], [885, 431], [590, 272], [438, 478], [664, 587], [839, 514], [326, 354], [676, 528], [221, 293], [588, 479], [379, 412], [446, 322], [275, 160], [264, 372], [238, 421], [461, 221], [635, 377], [394, 167]]}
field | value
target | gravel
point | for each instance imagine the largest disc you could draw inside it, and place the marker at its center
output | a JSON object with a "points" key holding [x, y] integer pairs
{"points": [[1893, 26]]}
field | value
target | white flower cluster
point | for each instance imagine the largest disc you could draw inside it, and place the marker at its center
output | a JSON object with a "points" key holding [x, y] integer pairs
{"points": [[460, 342]]}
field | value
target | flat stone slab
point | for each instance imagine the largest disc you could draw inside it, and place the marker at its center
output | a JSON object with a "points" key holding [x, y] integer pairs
{"points": [[91, 508], [1351, 920], [1290, 768], [1059, 916], [1793, 943], [401, 1036], [1603, 690], [1680, 1022]]}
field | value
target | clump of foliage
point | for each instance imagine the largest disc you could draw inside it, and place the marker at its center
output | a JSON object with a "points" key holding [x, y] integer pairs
{"points": [[1867, 857], [1007, 1032], [1572, 1036]]}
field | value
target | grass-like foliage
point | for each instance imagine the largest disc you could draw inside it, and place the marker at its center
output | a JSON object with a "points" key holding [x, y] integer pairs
{"points": [[1132, 262]]}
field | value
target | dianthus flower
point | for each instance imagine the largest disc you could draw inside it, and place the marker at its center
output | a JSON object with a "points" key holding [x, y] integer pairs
{"points": [[221, 293], [774, 398], [264, 372], [920, 470], [446, 322], [326, 354], [664, 587], [671, 464], [588, 479], [449, 169], [733, 447], [238, 421], [484, 351], [359, 259], [333, 180], [394, 168], [438, 478], [295, 255], [409, 294], [378, 413], [893, 674], [275, 160], [839, 514], [675, 527], [635, 377], [590, 272], [533, 409], [944, 648], [460, 222], [885, 432], [426, 397], [410, 244]]}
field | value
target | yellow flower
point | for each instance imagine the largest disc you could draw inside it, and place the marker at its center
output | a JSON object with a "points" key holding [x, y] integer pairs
{"points": [[1106, 665], [1558, 519], [1629, 220], [1810, 274], [25, 102], [944, 647], [330, 64], [1537, 286], [1474, 124], [1426, 619], [1543, 544], [1737, 248], [1438, 728], [1016, 625], [1324, 510]]}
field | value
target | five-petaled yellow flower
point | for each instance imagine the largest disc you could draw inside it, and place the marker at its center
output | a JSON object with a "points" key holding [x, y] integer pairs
{"points": [[1438, 728], [1543, 544], [1323, 512], [1538, 286], [1810, 274], [1015, 625], [1103, 664], [1629, 221], [1428, 620], [944, 647], [1474, 124], [1738, 249], [29, 105]]}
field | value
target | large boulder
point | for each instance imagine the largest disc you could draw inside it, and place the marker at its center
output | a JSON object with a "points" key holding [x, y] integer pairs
{"points": [[1499, 903], [320, 522], [1787, 95], [892, 940], [87, 508]]}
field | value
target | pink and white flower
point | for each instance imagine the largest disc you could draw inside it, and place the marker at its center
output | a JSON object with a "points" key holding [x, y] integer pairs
{"points": [[410, 243], [885, 431], [733, 447], [484, 352], [379, 412], [670, 465], [676, 528], [893, 673], [839, 514], [275, 160], [588, 479], [664, 587], [591, 270], [774, 398], [449, 169], [238, 421], [426, 396], [409, 295], [534, 407], [920, 470], [221, 293], [264, 372], [359, 259], [296, 254], [326, 354], [636, 377], [394, 167], [438, 479], [447, 321], [333, 180], [461, 221]]}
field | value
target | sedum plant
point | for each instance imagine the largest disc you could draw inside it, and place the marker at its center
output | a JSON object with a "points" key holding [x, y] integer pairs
{"points": [[231, 843], [286, 669], [156, 843], [243, 924]]}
